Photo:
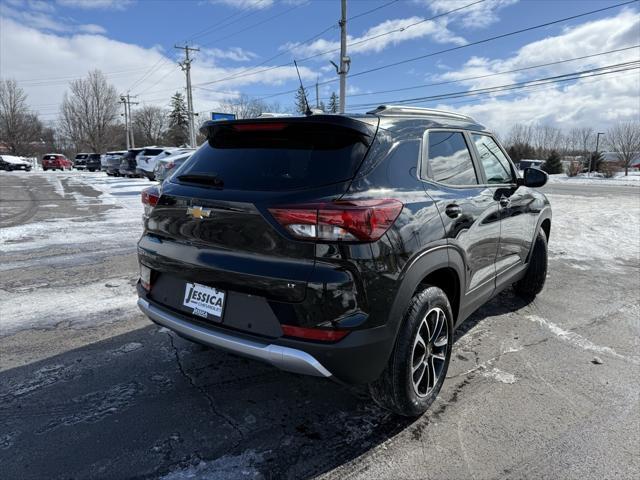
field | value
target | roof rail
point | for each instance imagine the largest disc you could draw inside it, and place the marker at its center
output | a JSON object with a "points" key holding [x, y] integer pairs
{"points": [[417, 111]]}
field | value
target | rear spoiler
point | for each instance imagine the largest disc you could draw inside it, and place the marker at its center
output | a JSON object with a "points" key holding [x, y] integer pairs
{"points": [[364, 128]]}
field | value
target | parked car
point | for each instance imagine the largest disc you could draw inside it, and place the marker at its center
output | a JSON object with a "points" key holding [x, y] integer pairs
{"points": [[56, 161], [167, 165], [80, 161], [112, 162], [342, 246], [11, 162], [146, 160], [128, 163], [93, 162]]}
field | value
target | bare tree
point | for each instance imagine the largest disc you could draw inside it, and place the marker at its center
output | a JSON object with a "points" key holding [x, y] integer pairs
{"points": [[150, 124], [19, 129], [243, 106], [520, 134], [624, 139], [89, 112]]}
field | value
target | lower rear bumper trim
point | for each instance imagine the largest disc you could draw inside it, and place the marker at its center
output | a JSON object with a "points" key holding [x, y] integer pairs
{"points": [[284, 358]]}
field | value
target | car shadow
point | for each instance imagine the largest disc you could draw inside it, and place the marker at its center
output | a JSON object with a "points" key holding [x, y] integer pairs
{"points": [[148, 403]]}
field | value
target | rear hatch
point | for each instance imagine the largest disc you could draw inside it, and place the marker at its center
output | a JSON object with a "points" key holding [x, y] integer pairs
{"points": [[211, 223]]}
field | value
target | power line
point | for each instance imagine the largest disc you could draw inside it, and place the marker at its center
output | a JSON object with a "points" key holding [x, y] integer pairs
{"points": [[253, 25], [288, 64], [490, 39], [620, 67], [504, 72], [447, 50], [202, 33], [390, 32]]}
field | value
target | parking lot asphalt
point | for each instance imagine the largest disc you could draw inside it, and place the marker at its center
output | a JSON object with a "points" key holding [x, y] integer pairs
{"points": [[89, 388]]}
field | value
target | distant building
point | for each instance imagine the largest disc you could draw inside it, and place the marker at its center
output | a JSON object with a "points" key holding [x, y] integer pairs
{"points": [[530, 163]]}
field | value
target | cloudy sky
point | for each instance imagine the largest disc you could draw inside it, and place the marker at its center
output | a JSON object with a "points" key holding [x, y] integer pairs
{"points": [[400, 50]]}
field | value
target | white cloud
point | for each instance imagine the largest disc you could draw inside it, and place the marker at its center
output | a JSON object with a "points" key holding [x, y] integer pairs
{"points": [[480, 15], [236, 54], [245, 4], [378, 37], [612, 33], [96, 4], [91, 28], [35, 15], [595, 102], [45, 81]]}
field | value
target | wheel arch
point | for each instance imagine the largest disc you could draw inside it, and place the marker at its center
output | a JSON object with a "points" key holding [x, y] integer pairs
{"points": [[441, 266]]}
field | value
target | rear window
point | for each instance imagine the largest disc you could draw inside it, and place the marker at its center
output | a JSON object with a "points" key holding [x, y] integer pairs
{"points": [[94, 156], [276, 156], [50, 157], [152, 152], [81, 156]]}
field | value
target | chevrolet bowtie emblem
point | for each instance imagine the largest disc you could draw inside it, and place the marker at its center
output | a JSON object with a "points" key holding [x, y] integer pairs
{"points": [[199, 212]]}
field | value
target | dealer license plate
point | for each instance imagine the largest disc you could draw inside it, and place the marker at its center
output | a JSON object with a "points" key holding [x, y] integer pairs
{"points": [[205, 302]]}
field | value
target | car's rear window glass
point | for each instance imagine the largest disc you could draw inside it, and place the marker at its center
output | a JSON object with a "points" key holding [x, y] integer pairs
{"points": [[449, 160], [280, 156], [94, 156], [152, 151], [81, 157], [50, 157]]}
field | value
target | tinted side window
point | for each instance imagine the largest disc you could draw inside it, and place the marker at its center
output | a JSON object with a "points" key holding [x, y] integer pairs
{"points": [[401, 165], [449, 160], [495, 164]]}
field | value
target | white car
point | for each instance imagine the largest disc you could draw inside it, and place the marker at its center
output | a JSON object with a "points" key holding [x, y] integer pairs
{"points": [[166, 165], [11, 162], [147, 158]]}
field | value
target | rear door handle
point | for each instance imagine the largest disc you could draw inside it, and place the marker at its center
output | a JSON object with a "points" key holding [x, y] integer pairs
{"points": [[453, 210], [505, 202]]}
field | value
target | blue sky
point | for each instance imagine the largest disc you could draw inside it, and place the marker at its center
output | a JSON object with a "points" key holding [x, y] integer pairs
{"points": [[132, 42]]}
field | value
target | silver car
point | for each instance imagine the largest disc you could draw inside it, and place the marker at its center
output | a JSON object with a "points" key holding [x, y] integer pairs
{"points": [[166, 166]]}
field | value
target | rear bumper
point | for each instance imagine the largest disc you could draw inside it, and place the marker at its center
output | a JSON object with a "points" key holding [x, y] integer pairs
{"points": [[285, 358]]}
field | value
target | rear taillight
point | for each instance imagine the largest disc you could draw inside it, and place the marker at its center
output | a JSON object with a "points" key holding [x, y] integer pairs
{"points": [[150, 197], [347, 221], [319, 334]]}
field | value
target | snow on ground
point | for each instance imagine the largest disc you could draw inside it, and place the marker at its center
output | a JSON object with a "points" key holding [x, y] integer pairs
{"points": [[79, 306], [108, 219], [120, 224], [633, 179], [600, 228]]}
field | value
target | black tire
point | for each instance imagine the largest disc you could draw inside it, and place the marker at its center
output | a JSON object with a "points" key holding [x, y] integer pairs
{"points": [[533, 281], [396, 389]]}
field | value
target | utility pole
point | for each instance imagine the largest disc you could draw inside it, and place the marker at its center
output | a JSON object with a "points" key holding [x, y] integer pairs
{"points": [[126, 101], [317, 95], [186, 67], [597, 146], [345, 62], [123, 101]]}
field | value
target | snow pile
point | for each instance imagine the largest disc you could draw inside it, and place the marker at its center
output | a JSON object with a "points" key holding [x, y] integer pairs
{"points": [[633, 179], [601, 228]]}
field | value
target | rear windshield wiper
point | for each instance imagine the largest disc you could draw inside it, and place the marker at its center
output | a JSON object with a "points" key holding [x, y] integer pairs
{"points": [[202, 178]]}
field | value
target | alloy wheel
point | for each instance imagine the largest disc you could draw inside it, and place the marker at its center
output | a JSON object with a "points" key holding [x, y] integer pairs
{"points": [[429, 352]]}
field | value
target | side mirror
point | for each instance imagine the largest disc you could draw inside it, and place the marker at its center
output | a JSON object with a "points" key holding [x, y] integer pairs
{"points": [[533, 178]]}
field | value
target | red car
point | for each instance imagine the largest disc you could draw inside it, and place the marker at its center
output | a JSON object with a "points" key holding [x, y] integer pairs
{"points": [[56, 161]]}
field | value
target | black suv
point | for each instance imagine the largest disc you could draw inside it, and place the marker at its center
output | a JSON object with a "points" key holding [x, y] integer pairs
{"points": [[343, 246]]}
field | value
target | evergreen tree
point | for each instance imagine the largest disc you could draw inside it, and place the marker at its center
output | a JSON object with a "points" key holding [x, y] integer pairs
{"points": [[301, 104], [553, 163], [333, 103], [593, 162], [178, 133], [322, 107]]}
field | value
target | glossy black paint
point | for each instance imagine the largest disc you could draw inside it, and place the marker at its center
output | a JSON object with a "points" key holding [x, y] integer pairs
{"points": [[469, 240]]}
